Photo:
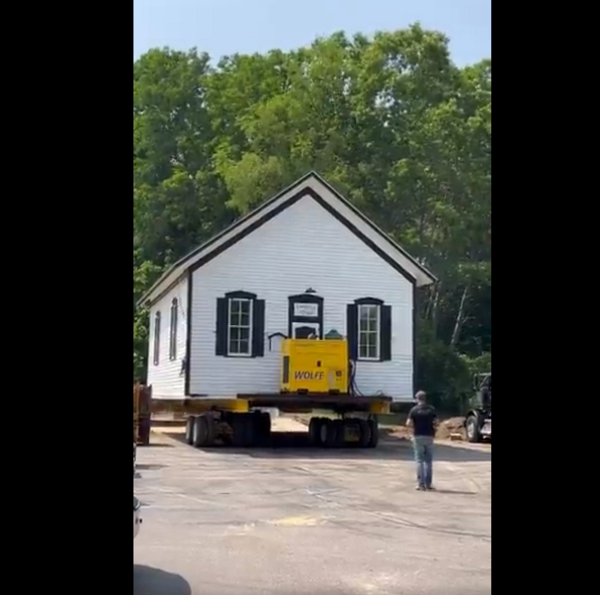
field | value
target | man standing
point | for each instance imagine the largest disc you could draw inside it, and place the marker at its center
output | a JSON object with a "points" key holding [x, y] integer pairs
{"points": [[423, 421]]}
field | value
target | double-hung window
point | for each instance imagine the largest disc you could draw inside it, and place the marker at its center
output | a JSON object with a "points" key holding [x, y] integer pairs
{"points": [[239, 328]]}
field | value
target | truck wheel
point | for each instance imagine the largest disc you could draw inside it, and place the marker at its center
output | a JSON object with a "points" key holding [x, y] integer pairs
{"points": [[189, 430], [365, 433], [472, 428], [200, 431], [374, 437]]}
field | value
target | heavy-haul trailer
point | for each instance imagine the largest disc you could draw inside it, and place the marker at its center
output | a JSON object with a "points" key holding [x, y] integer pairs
{"points": [[242, 421], [316, 375]]}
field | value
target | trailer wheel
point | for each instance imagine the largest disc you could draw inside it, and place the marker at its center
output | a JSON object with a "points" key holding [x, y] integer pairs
{"points": [[211, 429], [267, 424], [251, 429], [339, 426], [245, 429], [324, 430], [365, 433], [374, 438], [189, 430], [330, 434], [238, 423], [200, 431], [314, 431], [262, 421], [473, 429]]}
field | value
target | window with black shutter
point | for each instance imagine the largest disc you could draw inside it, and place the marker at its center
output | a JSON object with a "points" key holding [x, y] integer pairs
{"points": [[156, 341], [173, 329], [240, 325], [369, 330]]}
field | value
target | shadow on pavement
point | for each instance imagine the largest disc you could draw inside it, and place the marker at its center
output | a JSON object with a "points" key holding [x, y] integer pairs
{"points": [[148, 467], [153, 581], [295, 445]]}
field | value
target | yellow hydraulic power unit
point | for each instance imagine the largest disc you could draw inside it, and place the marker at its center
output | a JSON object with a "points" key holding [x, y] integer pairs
{"points": [[314, 366]]}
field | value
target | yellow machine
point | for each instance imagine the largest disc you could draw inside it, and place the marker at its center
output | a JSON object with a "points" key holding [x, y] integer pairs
{"points": [[314, 366]]}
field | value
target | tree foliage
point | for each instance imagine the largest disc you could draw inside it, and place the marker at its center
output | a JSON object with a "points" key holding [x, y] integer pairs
{"points": [[389, 120]]}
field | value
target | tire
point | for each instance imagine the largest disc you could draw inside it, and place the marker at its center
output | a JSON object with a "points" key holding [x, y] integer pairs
{"points": [[365, 433], [265, 426], [323, 427], [314, 429], [245, 429], [211, 429], [237, 427], [329, 433], [339, 432], [472, 429], [200, 437], [189, 430], [374, 438], [251, 429], [262, 423]]}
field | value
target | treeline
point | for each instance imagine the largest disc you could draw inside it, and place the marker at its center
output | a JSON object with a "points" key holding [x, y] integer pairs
{"points": [[389, 120]]}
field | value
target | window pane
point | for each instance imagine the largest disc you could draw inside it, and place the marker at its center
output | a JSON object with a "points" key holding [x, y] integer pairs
{"points": [[244, 333], [244, 346], [372, 344], [234, 307], [245, 319], [363, 322]]}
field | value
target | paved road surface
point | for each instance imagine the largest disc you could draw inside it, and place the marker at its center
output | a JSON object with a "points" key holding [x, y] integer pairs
{"points": [[311, 522]]}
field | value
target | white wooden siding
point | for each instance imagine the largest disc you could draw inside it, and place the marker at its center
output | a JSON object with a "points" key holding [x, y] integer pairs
{"points": [[303, 246], [166, 378]]}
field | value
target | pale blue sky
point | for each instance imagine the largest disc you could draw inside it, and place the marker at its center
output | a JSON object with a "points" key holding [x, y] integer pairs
{"points": [[222, 27]]}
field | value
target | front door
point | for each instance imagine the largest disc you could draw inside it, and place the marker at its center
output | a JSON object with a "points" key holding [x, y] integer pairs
{"points": [[305, 316]]}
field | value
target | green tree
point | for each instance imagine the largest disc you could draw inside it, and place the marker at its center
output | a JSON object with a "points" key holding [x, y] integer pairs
{"points": [[389, 120]]}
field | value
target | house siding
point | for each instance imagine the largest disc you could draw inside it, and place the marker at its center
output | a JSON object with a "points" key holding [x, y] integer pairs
{"points": [[303, 247], [166, 378]]}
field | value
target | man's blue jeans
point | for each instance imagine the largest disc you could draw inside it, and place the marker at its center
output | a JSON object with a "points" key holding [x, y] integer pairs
{"points": [[423, 446]]}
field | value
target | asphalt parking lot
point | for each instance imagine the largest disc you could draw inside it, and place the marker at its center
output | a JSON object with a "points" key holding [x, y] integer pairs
{"points": [[291, 521]]}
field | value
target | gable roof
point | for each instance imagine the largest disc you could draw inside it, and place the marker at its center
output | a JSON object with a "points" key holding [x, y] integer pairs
{"points": [[313, 185]]}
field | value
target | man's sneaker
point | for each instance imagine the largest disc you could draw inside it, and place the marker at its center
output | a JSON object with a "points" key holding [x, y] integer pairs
{"points": [[420, 488], [430, 488]]}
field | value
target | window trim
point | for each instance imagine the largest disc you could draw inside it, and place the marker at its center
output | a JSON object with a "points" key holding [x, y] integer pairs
{"points": [[250, 327], [377, 307], [173, 329], [156, 339]]}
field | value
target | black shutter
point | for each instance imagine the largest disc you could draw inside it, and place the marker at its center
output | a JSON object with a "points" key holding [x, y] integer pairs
{"points": [[352, 331], [222, 319], [258, 328], [385, 338]]}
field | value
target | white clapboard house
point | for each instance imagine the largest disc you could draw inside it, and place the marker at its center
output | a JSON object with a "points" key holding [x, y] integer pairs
{"points": [[304, 262]]}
